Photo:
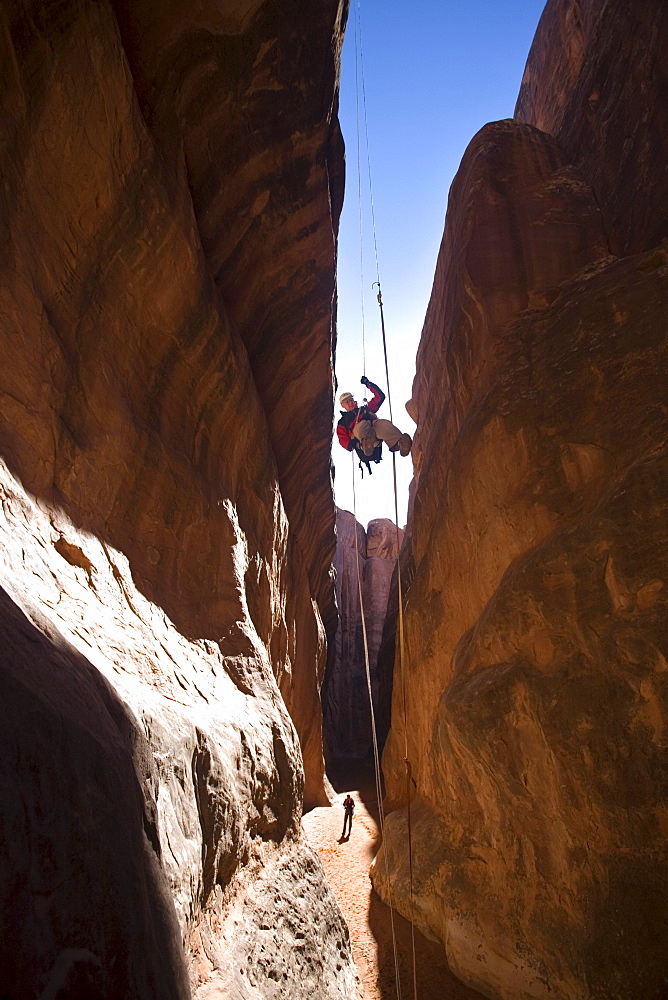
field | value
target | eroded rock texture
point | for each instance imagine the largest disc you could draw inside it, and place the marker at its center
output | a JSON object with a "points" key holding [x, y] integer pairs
{"points": [[536, 617], [347, 715], [171, 181], [597, 80]]}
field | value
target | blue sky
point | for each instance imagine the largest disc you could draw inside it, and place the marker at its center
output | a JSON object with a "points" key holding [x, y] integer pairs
{"points": [[435, 71]]}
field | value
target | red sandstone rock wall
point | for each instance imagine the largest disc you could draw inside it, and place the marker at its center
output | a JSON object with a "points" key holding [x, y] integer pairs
{"points": [[347, 716], [597, 80], [171, 182], [242, 97], [536, 619]]}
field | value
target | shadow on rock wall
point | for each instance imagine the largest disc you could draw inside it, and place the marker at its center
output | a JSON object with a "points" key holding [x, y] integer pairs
{"points": [[86, 909]]}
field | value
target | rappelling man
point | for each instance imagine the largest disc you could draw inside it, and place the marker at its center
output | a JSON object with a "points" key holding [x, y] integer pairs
{"points": [[359, 429]]}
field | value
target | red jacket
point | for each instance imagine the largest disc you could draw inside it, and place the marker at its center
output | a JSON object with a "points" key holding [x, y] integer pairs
{"points": [[344, 428]]}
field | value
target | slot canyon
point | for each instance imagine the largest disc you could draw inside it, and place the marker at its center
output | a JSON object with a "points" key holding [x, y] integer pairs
{"points": [[182, 671]]}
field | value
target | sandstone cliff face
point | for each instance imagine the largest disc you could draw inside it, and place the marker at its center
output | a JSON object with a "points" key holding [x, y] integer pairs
{"points": [[171, 187], [596, 79], [536, 616], [242, 97], [347, 717]]}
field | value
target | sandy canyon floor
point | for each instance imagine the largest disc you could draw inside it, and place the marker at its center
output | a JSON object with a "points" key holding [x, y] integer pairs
{"points": [[346, 864]]}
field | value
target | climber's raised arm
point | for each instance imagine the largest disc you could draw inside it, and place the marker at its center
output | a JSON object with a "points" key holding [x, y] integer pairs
{"points": [[377, 393]]}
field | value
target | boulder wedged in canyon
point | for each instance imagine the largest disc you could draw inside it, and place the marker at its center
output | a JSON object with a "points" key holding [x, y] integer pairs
{"points": [[536, 625], [346, 713], [160, 548]]}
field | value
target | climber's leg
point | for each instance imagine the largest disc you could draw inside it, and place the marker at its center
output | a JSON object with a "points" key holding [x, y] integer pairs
{"points": [[365, 433], [392, 436]]}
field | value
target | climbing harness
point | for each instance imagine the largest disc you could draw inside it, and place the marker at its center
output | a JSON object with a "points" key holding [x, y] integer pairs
{"points": [[410, 782]]}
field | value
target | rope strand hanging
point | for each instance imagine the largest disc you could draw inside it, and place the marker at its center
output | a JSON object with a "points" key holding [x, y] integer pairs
{"points": [[374, 733], [358, 64], [359, 74]]}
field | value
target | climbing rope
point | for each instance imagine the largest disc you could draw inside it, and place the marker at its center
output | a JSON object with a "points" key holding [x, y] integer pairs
{"points": [[366, 137], [402, 674], [374, 734], [358, 64], [410, 783]]}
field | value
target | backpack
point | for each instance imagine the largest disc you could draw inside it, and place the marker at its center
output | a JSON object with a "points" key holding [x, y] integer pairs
{"points": [[375, 457]]}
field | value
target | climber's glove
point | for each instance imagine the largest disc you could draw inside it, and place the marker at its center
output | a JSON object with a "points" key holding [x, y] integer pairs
{"points": [[364, 380]]}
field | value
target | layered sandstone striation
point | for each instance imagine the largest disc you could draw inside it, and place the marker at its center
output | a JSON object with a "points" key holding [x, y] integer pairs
{"points": [[172, 177], [536, 627], [347, 718], [242, 98]]}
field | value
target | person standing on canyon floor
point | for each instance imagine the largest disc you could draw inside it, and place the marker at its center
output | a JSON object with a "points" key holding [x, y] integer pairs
{"points": [[348, 810], [359, 429]]}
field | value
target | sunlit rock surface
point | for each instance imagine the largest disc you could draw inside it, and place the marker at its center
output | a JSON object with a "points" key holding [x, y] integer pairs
{"points": [[346, 711], [596, 79], [172, 177], [536, 625], [154, 791], [241, 97]]}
